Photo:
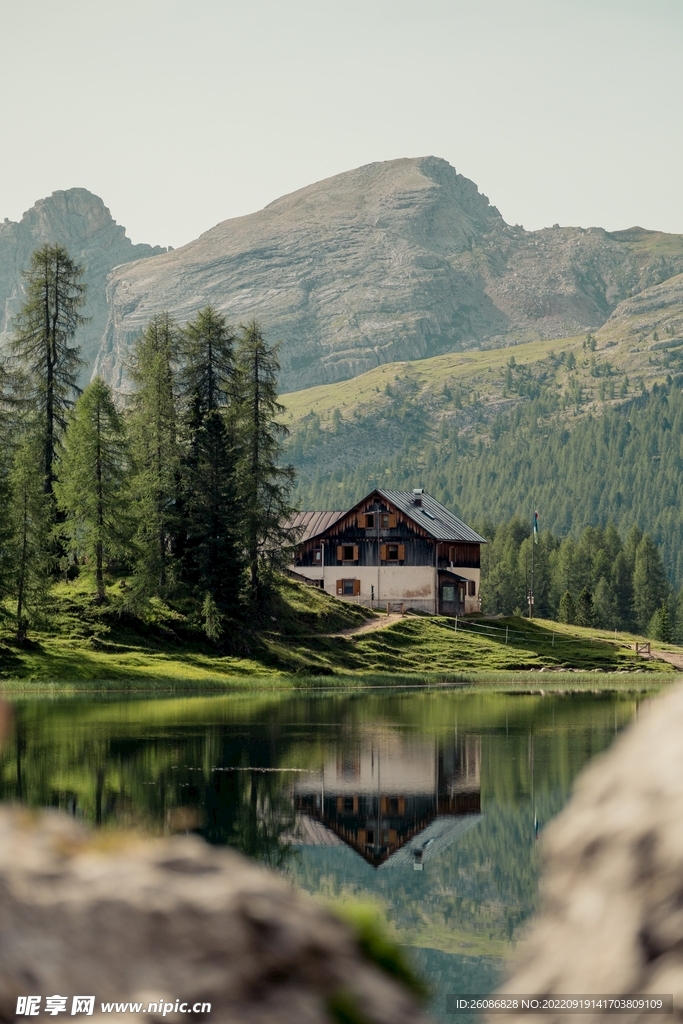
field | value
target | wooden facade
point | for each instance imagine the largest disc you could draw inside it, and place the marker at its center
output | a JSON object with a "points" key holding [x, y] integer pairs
{"points": [[394, 546]]}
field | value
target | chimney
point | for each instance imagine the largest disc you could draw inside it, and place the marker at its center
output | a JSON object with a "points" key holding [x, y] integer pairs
{"points": [[417, 496]]}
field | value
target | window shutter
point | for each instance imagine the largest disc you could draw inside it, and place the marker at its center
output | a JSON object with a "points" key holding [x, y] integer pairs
{"points": [[340, 587], [401, 552], [383, 552], [355, 552], [392, 520], [356, 588], [340, 553]]}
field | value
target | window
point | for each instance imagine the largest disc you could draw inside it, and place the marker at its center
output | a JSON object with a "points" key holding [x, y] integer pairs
{"points": [[347, 552], [348, 588], [369, 520], [392, 552], [471, 588], [348, 803], [448, 593], [387, 520], [317, 556], [371, 836]]}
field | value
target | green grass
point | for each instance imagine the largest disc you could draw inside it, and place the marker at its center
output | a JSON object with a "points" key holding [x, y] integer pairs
{"points": [[82, 647]]}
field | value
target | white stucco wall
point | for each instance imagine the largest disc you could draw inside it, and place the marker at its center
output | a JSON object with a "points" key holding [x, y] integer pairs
{"points": [[414, 585]]}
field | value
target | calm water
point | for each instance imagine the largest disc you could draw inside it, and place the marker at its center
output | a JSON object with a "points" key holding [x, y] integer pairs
{"points": [[427, 805]]}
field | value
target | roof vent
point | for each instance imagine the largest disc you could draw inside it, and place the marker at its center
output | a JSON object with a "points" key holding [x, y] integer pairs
{"points": [[417, 495]]}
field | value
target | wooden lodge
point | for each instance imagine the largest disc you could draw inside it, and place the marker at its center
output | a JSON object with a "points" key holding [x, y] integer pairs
{"points": [[393, 548]]}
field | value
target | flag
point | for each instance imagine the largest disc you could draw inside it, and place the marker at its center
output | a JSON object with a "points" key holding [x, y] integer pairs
{"points": [[535, 527]]}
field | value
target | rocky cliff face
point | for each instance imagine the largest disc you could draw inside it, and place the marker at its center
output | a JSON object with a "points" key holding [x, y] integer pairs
{"points": [[80, 222], [396, 260]]}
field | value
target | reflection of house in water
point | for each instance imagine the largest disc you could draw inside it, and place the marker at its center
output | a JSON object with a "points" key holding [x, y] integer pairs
{"points": [[394, 797]]}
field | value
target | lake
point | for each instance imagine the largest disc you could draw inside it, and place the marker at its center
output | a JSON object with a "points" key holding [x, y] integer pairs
{"points": [[427, 805]]}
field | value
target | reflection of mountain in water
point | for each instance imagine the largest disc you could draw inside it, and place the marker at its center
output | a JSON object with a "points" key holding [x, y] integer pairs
{"points": [[394, 797]]}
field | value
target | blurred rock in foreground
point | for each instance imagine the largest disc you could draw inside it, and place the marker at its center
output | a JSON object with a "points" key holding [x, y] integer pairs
{"points": [[612, 913], [132, 920]]}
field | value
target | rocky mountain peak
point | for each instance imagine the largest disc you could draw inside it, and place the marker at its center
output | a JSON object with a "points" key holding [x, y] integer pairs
{"points": [[78, 220]]}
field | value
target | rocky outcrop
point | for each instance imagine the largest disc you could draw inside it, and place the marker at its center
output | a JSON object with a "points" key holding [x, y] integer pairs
{"points": [[612, 918], [126, 920], [80, 222], [392, 261]]}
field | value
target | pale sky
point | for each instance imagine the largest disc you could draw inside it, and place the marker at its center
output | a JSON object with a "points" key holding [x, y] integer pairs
{"points": [[181, 113]]}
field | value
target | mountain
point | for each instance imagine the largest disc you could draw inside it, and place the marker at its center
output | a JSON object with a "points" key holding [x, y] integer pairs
{"points": [[80, 222], [399, 260]]}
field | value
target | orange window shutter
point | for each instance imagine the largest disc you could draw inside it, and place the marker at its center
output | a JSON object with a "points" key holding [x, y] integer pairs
{"points": [[356, 588], [340, 586], [340, 553], [355, 552], [383, 552], [392, 521], [401, 552]]}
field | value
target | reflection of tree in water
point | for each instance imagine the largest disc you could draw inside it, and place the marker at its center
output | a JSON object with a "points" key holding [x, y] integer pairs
{"points": [[251, 812], [160, 779]]}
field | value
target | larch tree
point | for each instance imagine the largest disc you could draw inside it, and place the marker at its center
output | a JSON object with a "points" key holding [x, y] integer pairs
{"points": [[155, 453], [650, 585], [212, 557], [91, 480], [264, 484], [30, 523], [45, 353]]}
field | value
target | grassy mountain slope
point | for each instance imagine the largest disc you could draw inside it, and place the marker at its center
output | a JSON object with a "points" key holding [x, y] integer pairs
{"points": [[81, 646]]}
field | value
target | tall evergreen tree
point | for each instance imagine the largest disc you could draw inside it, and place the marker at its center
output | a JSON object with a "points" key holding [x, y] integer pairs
{"points": [[264, 484], [208, 365], [155, 453], [47, 358], [90, 485], [212, 556], [30, 520], [650, 586]]}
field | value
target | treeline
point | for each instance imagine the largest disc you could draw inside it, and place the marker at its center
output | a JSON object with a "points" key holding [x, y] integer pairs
{"points": [[179, 487], [624, 465], [599, 579]]}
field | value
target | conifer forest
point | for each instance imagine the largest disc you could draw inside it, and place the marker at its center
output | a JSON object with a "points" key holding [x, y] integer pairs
{"points": [[177, 488]]}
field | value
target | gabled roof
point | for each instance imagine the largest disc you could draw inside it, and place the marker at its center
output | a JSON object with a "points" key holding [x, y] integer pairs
{"points": [[433, 517], [313, 523], [432, 840]]}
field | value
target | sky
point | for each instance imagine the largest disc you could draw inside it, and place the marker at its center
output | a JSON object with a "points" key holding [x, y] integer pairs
{"points": [[182, 113]]}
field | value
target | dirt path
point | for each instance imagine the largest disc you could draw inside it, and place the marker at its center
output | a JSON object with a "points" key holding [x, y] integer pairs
{"points": [[369, 627], [674, 659]]}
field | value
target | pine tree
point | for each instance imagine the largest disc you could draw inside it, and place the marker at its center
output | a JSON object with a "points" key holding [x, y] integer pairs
{"points": [[155, 454], [30, 520], [584, 608], [567, 612], [208, 367], [213, 556], [90, 485], [264, 485], [650, 586], [212, 548], [43, 347]]}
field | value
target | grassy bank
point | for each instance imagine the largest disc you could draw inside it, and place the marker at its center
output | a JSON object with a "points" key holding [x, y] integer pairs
{"points": [[307, 640]]}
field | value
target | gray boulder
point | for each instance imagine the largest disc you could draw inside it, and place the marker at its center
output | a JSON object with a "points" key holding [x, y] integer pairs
{"points": [[612, 913], [126, 919]]}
